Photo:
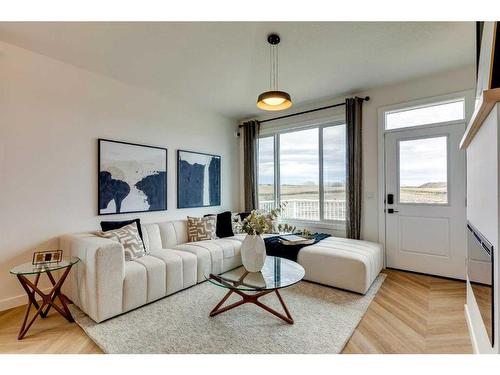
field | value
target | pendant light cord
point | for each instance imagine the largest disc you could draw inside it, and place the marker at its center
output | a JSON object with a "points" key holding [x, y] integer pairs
{"points": [[273, 74], [276, 70]]}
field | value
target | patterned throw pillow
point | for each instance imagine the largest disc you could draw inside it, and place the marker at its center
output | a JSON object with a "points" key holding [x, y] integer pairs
{"points": [[201, 228], [237, 223], [129, 237]]}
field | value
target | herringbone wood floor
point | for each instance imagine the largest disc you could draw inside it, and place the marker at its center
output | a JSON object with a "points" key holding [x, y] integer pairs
{"points": [[410, 314]]}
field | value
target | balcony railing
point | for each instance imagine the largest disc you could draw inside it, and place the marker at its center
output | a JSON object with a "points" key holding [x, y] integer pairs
{"points": [[308, 209]]}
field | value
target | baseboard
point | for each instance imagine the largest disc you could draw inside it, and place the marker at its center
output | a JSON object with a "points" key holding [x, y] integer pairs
{"points": [[471, 331], [20, 300]]}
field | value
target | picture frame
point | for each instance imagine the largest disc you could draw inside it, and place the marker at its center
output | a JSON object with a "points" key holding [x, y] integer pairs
{"points": [[198, 179], [41, 258], [132, 177]]}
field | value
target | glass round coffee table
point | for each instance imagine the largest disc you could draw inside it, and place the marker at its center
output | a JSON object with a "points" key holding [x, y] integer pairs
{"points": [[48, 299], [277, 273]]}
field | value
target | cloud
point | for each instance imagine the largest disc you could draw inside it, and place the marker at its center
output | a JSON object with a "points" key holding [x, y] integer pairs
{"points": [[299, 156]]}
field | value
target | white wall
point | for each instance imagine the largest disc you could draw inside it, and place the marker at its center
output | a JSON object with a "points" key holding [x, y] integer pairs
{"points": [[51, 115], [438, 84], [482, 212]]}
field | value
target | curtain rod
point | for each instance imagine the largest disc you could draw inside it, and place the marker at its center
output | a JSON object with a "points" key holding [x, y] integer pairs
{"points": [[366, 98]]}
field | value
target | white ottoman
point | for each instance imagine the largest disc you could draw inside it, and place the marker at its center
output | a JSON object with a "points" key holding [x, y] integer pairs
{"points": [[342, 263]]}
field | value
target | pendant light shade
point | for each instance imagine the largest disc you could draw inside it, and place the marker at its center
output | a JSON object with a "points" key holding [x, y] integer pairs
{"points": [[274, 100]]}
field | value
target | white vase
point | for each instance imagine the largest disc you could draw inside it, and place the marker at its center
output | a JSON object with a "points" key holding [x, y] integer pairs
{"points": [[253, 253]]}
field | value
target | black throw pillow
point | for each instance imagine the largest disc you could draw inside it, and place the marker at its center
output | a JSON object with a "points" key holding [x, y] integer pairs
{"points": [[244, 215], [111, 225], [224, 226]]}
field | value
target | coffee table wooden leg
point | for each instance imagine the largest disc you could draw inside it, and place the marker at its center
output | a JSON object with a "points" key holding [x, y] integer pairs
{"points": [[217, 311], [253, 298]]}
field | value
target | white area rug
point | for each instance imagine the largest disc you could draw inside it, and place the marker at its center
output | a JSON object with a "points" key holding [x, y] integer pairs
{"points": [[325, 319]]}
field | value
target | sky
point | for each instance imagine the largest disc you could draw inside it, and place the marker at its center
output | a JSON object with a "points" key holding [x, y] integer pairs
{"points": [[421, 160], [299, 157], [441, 112]]}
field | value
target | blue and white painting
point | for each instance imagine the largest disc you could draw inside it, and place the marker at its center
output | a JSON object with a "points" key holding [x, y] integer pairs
{"points": [[132, 178], [198, 179]]}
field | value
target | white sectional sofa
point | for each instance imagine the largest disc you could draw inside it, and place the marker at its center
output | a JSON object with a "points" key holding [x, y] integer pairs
{"points": [[104, 285]]}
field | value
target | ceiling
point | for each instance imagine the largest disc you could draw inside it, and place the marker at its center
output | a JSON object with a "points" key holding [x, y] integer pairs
{"points": [[223, 66]]}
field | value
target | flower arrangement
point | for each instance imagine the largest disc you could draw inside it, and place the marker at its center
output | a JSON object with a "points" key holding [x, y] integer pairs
{"points": [[260, 222], [264, 222]]}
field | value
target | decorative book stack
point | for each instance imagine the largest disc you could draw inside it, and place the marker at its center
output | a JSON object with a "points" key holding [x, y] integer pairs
{"points": [[293, 239]]}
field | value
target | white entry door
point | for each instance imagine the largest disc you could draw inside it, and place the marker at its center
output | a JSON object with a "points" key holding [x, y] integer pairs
{"points": [[425, 200]]}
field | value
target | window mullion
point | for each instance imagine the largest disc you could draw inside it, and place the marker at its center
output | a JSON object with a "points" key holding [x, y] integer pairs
{"points": [[321, 187], [277, 187]]}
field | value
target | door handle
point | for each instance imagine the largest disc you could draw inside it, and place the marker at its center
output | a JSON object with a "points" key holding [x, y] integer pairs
{"points": [[391, 211]]}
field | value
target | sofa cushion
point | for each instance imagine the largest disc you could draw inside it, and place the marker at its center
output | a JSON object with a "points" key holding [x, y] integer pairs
{"points": [[151, 236], [201, 228], [156, 277], [135, 286], [173, 233], [128, 236], [181, 271], [216, 256]]}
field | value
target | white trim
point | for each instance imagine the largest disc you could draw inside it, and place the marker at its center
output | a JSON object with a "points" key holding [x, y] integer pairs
{"points": [[381, 180], [19, 300], [276, 156], [468, 96], [321, 204], [473, 340]]}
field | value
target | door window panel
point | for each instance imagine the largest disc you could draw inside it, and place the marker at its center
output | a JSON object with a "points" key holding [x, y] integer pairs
{"points": [[423, 175]]}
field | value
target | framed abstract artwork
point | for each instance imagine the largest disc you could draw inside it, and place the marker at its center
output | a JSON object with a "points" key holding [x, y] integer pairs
{"points": [[132, 178], [198, 179]]}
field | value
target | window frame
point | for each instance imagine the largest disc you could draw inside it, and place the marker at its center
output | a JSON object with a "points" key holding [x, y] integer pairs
{"points": [[424, 104], [320, 125]]}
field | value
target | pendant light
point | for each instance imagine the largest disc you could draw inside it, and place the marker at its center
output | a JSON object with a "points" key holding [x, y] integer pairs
{"points": [[274, 100]]}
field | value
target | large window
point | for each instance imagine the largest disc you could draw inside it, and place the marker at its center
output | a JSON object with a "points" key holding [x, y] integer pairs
{"points": [[290, 173]]}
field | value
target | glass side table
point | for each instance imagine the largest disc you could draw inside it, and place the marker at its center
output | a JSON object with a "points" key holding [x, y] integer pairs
{"points": [[48, 300]]}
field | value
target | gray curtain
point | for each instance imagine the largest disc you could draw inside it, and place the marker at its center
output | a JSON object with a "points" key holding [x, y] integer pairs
{"points": [[354, 167], [250, 139]]}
